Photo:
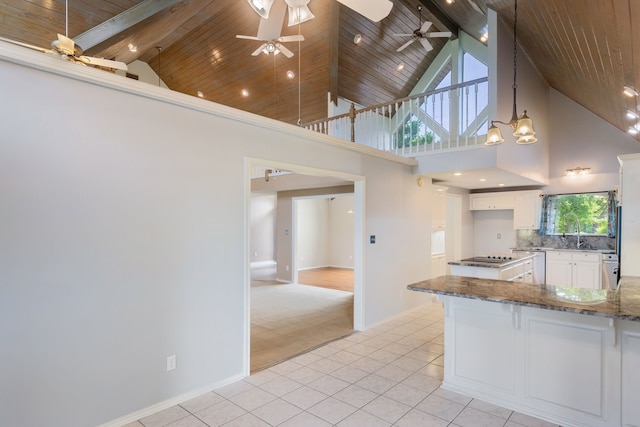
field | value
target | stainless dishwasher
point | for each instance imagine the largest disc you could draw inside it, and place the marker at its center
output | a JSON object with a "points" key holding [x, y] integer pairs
{"points": [[610, 271]]}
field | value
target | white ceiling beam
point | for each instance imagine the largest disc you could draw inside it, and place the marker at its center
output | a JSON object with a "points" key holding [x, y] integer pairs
{"points": [[121, 22]]}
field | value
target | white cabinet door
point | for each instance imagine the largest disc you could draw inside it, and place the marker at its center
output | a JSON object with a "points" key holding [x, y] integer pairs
{"points": [[439, 209], [503, 201], [480, 202], [438, 265], [630, 344], [559, 269], [576, 269], [566, 364], [587, 274], [526, 211], [482, 346], [491, 201]]}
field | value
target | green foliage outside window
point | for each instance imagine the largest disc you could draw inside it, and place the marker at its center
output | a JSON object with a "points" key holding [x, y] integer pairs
{"points": [[591, 209], [411, 135]]}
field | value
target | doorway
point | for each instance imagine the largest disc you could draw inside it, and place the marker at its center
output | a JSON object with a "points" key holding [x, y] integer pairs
{"points": [[278, 308]]}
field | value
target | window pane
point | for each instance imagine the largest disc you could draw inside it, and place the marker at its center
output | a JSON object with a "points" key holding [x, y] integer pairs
{"points": [[590, 209]]}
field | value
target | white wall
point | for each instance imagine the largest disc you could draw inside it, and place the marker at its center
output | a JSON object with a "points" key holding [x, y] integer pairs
{"points": [[125, 239], [493, 232], [341, 232], [312, 233], [263, 227], [531, 161]]}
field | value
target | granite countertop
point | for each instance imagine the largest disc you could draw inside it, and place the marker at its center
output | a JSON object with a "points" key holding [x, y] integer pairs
{"points": [[544, 249], [476, 263], [623, 303]]}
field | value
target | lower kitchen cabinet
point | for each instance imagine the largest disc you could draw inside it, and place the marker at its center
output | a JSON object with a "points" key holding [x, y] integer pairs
{"points": [[630, 348], [575, 269], [520, 271], [566, 368]]}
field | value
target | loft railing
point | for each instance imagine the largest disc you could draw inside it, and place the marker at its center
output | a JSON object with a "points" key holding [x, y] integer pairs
{"points": [[453, 117]]}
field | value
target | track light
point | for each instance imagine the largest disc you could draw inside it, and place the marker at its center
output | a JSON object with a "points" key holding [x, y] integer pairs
{"points": [[629, 91]]}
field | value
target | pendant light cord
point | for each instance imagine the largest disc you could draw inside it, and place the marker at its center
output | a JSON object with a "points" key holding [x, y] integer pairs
{"points": [[66, 18], [299, 72], [514, 115]]}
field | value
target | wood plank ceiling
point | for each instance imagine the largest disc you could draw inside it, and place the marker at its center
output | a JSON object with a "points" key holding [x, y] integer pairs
{"points": [[584, 49]]}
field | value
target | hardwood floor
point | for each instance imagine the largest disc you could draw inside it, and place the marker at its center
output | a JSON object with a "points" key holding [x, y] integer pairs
{"points": [[340, 279]]}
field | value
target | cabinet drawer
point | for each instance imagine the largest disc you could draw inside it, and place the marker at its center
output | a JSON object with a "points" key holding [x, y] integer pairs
{"points": [[559, 256]]}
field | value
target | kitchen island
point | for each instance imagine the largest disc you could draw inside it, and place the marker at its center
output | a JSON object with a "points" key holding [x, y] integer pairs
{"points": [[570, 356], [512, 268]]}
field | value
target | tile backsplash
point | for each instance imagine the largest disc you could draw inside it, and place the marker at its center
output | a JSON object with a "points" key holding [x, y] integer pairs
{"points": [[531, 239]]}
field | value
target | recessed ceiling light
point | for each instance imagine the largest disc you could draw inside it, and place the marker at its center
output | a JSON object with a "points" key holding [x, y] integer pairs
{"points": [[483, 179], [132, 47], [484, 37], [500, 185], [632, 114], [200, 94], [629, 91], [290, 74], [632, 131], [357, 39], [451, 1], [457, 173], [245, 92], [400, 66]]}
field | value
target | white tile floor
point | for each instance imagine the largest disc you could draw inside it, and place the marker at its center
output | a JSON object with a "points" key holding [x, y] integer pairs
{"points": [[387, 376]]}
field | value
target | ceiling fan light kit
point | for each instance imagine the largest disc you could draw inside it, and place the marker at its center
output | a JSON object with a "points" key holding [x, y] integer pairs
{"points": [[523, 125]]}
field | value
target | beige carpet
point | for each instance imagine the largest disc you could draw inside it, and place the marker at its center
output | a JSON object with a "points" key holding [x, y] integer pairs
{"points": [[289, 319]]}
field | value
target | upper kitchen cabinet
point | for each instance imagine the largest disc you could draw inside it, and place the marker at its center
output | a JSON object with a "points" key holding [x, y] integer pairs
{"points": [[526, 210], [491, 201], [526, 206]]}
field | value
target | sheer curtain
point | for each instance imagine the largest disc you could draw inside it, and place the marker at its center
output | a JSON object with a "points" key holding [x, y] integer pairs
{"points": [[612, 213], [547, 221]]}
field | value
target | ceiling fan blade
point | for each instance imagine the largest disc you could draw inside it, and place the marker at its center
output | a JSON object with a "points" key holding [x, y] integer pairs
{"points": [[374, 10], [403, 35], [427, 46], [66, 46], [270, 29], [100, 62], [294, 38], [239, 36], [30, 46], [425, 26], [286, 52], [258, 51], [401, 48], [438, 34]]}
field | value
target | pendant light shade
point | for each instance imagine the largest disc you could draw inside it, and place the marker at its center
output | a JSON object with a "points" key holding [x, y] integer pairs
{"points": [[523, 140], [299, 12], [494, 137], [261, 7], [524, 126]]}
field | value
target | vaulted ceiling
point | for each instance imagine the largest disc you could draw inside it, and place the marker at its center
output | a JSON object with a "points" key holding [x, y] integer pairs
{"points": [[584, 49]]}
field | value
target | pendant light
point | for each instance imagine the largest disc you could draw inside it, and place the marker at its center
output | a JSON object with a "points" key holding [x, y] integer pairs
{"points": [[299, 12], [522, 126], [261, 7]]}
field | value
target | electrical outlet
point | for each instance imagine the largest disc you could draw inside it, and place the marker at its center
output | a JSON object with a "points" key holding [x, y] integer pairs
{"points": [[171, 363], [499, 236]]}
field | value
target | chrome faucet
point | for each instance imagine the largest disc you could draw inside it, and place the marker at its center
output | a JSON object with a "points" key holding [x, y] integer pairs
{"points": [[572, 214]]}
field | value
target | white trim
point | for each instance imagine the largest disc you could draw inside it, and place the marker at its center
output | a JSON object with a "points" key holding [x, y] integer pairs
{"points": [[165, 404], [51, 64]]}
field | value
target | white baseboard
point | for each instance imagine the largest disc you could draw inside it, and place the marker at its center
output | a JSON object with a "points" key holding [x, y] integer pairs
{"points": [[160, 406], [402, 313]]}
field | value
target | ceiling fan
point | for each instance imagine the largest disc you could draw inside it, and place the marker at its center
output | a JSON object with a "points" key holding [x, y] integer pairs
{"points": [[274, 46], [374, 10], [67, 49], [422, 34]]}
